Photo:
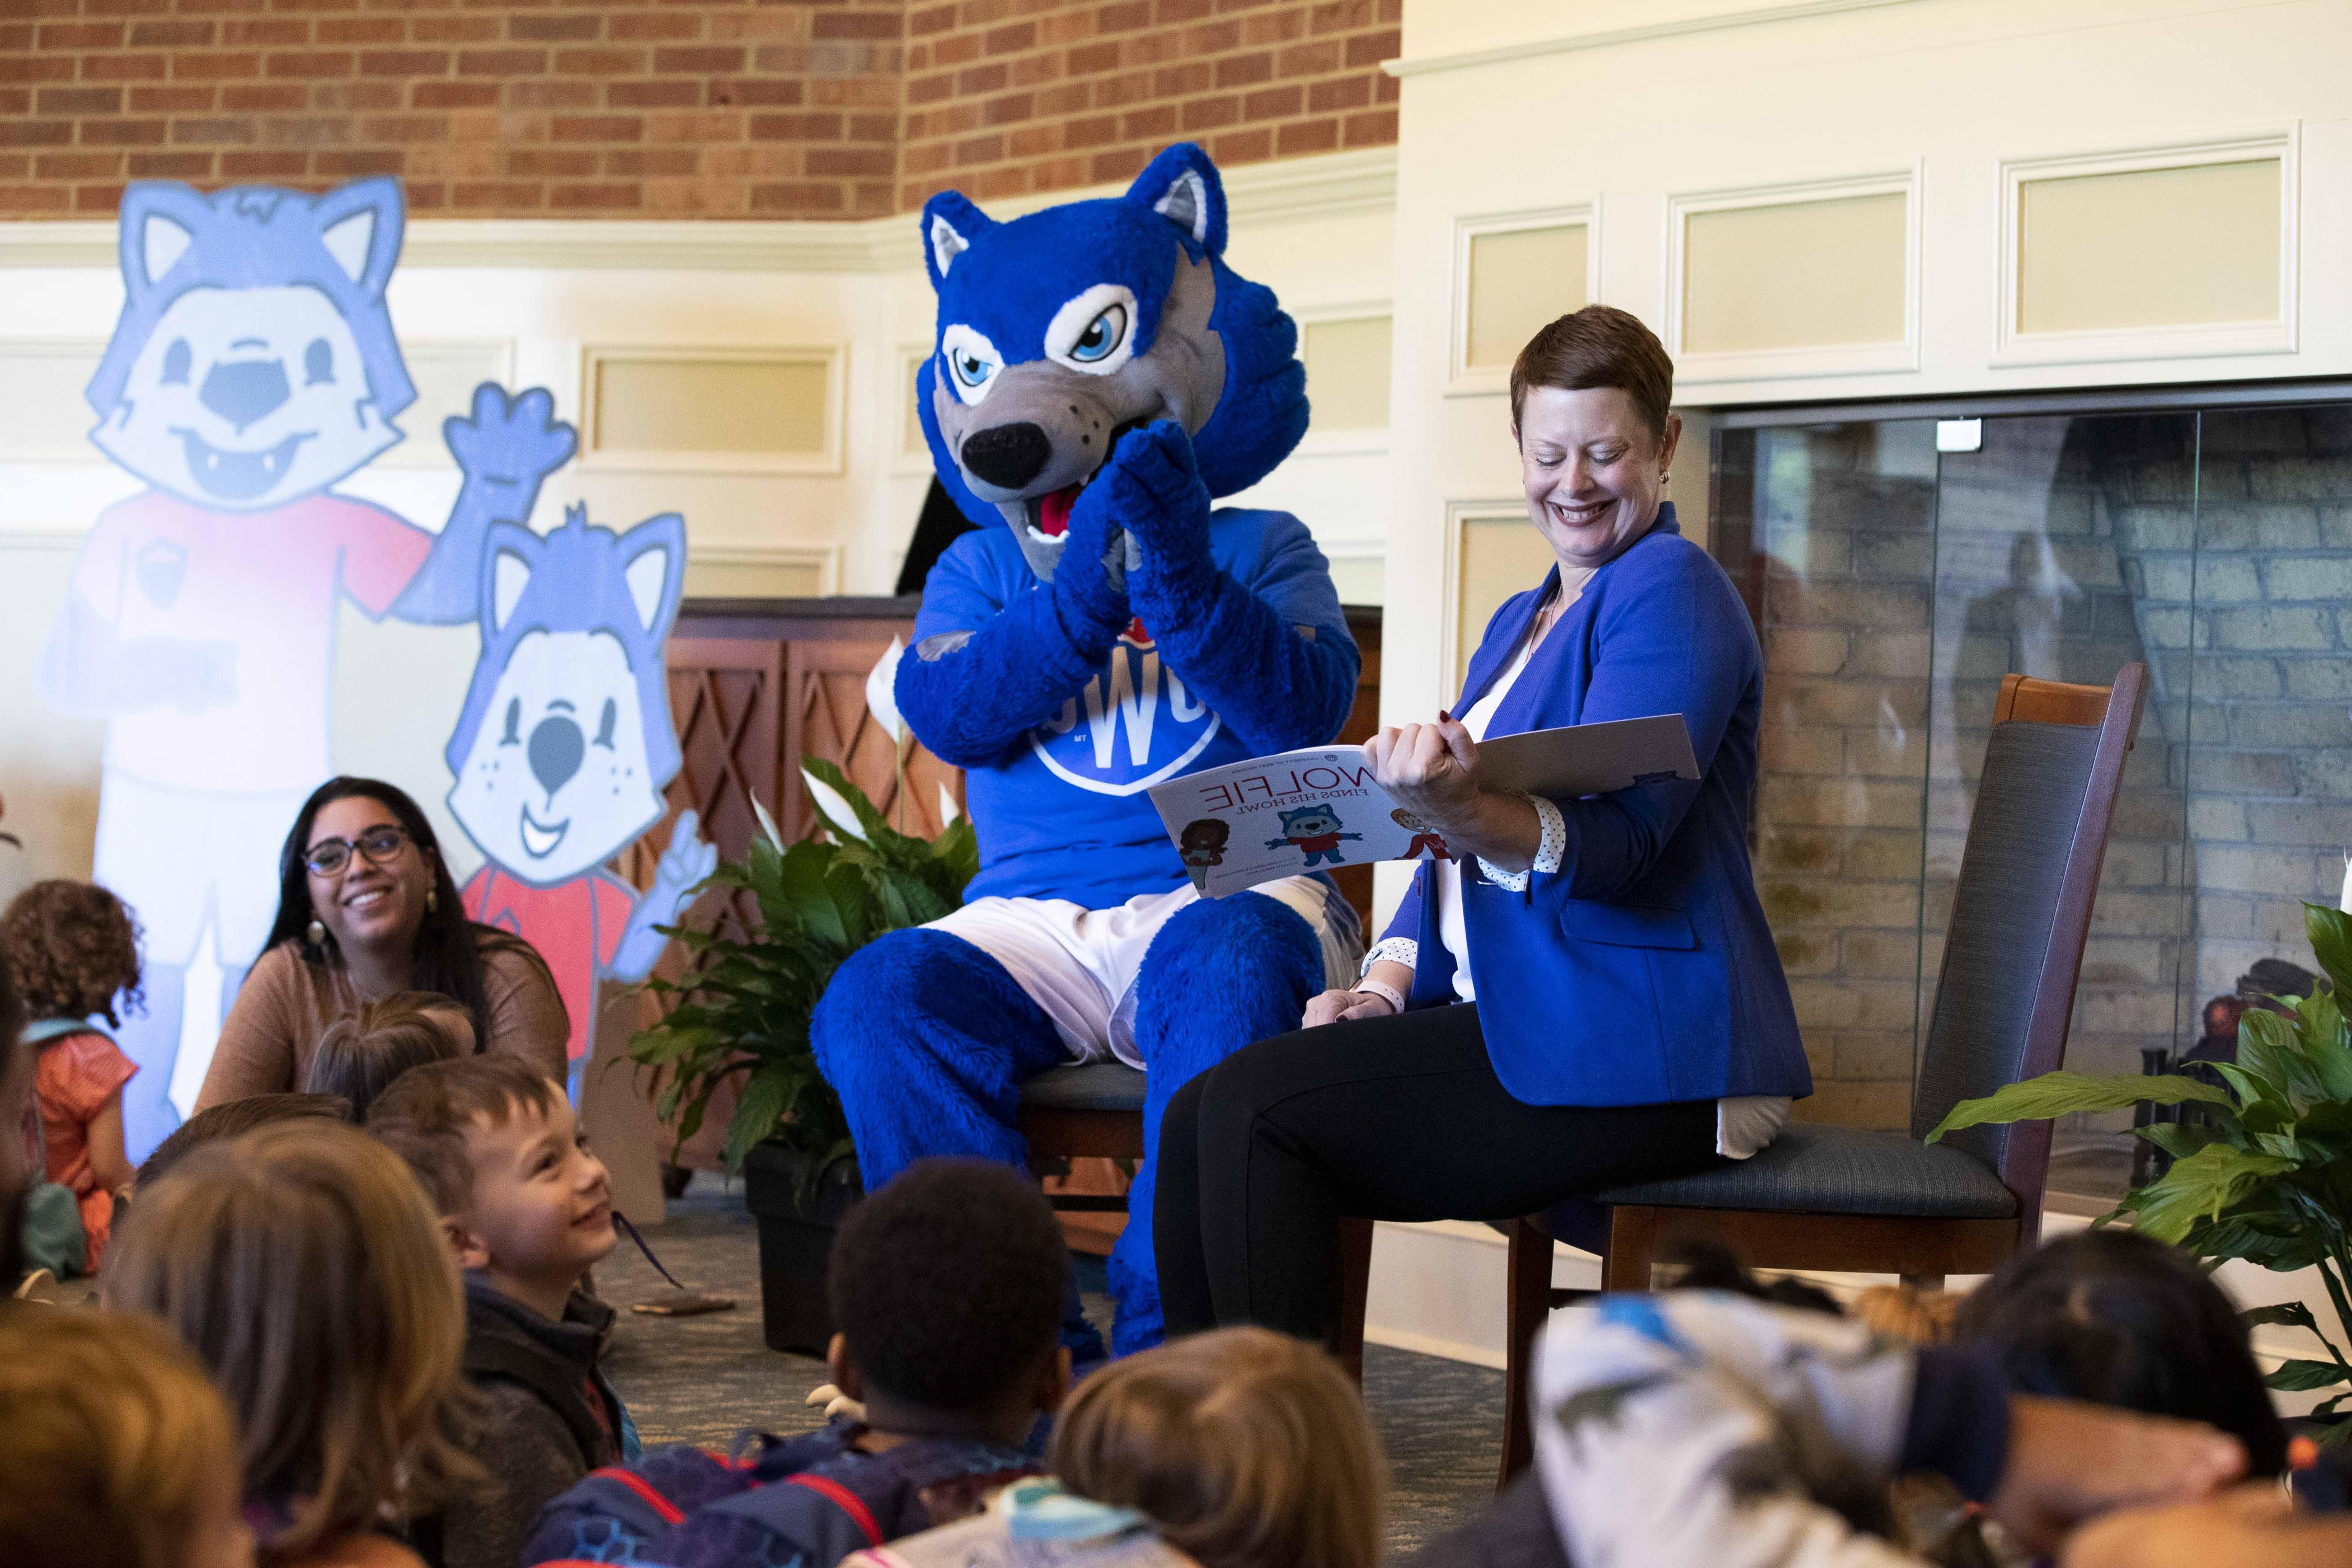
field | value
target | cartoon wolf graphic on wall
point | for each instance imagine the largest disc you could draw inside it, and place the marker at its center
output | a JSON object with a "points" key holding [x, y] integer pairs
{"points": [[563, 747], [253, 367]]}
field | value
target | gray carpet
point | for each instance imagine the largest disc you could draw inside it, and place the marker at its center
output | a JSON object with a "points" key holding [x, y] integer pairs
{"points": [[701, 1380]]}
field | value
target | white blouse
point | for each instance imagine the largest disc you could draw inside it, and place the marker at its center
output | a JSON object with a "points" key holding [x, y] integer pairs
{"points": [[1743, 1123]]}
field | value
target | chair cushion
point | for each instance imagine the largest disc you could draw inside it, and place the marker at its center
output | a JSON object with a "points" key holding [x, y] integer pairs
{"points": [[1095, 1085], [1837, 1170]]}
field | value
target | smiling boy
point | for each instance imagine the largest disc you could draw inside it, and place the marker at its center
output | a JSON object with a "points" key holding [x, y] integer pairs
{"points": [[529, 1210]]}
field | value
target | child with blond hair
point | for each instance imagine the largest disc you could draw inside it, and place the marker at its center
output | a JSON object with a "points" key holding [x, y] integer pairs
{"points": [[116, 1450], [303, 1266], [1241, 1448]]}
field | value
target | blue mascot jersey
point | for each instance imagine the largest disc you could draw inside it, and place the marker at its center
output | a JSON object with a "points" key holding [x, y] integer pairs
{"points": [[1064, 814]]}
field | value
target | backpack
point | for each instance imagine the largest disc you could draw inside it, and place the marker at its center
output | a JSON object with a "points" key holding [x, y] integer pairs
{"points": [[815, 1490]]}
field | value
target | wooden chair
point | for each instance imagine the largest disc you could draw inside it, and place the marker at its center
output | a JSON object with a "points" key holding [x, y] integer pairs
{"points": [[1852, 1200], [1096, 1111]]}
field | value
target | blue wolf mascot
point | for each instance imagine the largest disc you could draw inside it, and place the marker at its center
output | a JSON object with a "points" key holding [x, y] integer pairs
{"points": [[253, 368], [1099, 374]]}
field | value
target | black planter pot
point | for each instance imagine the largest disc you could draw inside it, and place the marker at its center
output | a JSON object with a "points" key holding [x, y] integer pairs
{"points": [[797, 1219]]}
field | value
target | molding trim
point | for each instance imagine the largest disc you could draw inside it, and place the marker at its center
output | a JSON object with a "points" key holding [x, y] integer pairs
{"points": [[1276, 191], [1715, 22], [1463, 378], [1458, 515], [595, 458], [1774, 364], [2281, 335], [825, 558]]}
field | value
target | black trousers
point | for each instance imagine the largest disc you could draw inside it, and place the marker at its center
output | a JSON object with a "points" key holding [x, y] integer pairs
{"points": [[1400, 1118]]}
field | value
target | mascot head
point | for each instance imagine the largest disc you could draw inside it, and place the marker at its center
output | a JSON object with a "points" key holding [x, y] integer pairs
{"points": [[254, 361], [1060, 332]]}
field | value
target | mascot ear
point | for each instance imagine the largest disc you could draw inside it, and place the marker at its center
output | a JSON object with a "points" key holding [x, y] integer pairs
{"points": [[160, 219], [360, 225], [1181, 185], [512, 552], [653, 556], [950, 222]]}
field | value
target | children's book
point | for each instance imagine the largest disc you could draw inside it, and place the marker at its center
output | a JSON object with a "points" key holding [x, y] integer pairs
{"points": [[1315, 809]]}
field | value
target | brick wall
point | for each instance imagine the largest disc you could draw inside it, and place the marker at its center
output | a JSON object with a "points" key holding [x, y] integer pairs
{"points": [[843, 109]]}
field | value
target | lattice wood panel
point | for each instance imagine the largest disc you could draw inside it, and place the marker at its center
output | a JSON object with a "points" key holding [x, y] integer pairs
{"points": [[827, 716]]}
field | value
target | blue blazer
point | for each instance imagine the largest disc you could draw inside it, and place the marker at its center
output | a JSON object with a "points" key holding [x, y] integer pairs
{"points": [[1642, 972]]}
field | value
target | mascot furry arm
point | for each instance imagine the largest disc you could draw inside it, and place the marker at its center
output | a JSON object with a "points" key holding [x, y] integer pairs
{"points": [[1191, 388]]}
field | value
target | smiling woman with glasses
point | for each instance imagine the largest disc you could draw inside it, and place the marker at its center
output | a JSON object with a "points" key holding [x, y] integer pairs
{"points": [[365, 908]]}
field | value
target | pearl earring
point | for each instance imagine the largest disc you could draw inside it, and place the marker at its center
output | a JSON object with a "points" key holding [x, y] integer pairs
{"points": [[316, 934]]}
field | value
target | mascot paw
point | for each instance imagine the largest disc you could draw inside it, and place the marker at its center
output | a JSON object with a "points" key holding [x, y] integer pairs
{"points": [[835, 1403], [1157, 493], [1092, 572]]}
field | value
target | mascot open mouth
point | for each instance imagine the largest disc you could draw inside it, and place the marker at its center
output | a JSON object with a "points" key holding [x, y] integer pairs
{"points": [[238, 476], [540, 838], [1049, 514]]}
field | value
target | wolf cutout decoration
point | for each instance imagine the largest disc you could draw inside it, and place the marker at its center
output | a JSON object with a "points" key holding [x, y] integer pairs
{"points": [[254, 367], [1099, 376], [563, 748]]}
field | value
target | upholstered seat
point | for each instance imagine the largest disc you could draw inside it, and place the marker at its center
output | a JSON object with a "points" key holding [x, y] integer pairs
{"points": [[1091, 1086], [1842, 1171]]}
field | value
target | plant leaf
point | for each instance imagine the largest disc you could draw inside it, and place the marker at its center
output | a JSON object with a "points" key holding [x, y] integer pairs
{"points": [[2330, 934], [2326, 1044], [2177, 1138], [2300, 1376], [2062, 1092], [2293, 1313], [2199, 1187], [2270, 1050]]}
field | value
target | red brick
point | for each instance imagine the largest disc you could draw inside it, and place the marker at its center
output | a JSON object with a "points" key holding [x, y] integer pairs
{"points": [[1116, 167], [114, 133], [930, 20], [545, 162], [307, 131], [1372, 127], [705, 60], [124, 68], [754, 93], [599, 127], [97, 200], [263, 165], [980, 81], [391, 130], [1369, 49], [555, 29], [653, 94], [71, 166], [644, 163], [799, 197], [501, 62], [263, 98], [1243, 146], [1272, 103], [979, 149], [359, 163], [363, 30], [851, 162], [268, 32], [192, 131], [171, 165], [186, 34], [71, 37], [192, 99], [616, 196], [1309, 59], [308, 67], [454, 94], [855, 25], [1340, 93], [453, 29], [1306, 136], [78, 100], [36, 68], [1011, 40], [654, 27], [355, 95], [563, 92], [1244, 71], [1209, 113], [35, 201], [14, 101], [215, 68], [501, 194], [1187, 80]]}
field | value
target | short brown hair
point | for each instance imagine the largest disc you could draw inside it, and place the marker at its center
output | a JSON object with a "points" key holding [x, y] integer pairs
{"points": [[1600, 345], [424, 1116], [116, 1447], [1246, 1447], [235, 1117], [301, 1263], [362, 1051], [70, 947]]}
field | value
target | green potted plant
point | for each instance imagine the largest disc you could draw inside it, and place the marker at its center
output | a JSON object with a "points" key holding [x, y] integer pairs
{"points": [[2264, 1171], [740, 1015]]}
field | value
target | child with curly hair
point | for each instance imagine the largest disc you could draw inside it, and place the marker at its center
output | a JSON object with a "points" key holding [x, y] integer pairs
{"points": [[72, 950]]}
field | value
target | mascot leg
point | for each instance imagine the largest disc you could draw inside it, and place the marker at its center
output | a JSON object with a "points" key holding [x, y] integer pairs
{"points": [[927, 1040], [1221, 974]]}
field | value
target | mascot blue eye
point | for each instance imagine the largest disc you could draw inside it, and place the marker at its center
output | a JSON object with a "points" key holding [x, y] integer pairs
{"points": [[971, 369], [1101, 336], [175, 363], [318, 363]]}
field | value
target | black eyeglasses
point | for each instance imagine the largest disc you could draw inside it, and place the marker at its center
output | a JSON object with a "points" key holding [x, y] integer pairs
{"points": [[380, 844]]}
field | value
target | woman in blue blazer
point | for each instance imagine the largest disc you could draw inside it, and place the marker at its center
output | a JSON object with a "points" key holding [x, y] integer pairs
{"points": [[1587, 993]]}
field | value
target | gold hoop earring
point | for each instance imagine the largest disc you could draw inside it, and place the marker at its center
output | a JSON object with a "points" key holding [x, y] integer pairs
{"points": [[432, 900], [316, 934]]}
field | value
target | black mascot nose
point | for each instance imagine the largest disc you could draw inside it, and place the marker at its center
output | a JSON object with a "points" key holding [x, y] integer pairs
{"points": [[243, 391], [555, 750], [1008, 456]]}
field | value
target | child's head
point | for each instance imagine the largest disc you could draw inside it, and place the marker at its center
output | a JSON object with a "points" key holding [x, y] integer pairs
{"points": [[948, 1288], [1247, 1448], [362, 1052], [2115, 1317], [303, 1266], [235, 1117], [116, 1447], [72, 950], [502, 1158]]}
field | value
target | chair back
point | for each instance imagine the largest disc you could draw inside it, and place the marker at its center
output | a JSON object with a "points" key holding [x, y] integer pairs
{"points": [[2013, 949]]}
